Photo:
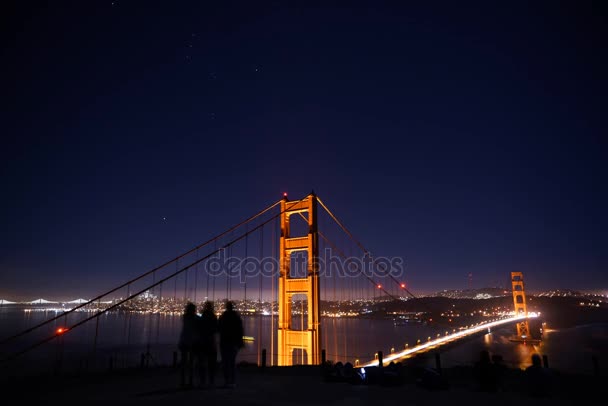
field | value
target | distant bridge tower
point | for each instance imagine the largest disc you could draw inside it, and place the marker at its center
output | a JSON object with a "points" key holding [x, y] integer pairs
{"points": [[307, 340], [519, 302]]}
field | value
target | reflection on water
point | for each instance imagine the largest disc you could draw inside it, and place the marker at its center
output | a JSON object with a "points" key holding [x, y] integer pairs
{"points": [[524, 353], [568, 350]]}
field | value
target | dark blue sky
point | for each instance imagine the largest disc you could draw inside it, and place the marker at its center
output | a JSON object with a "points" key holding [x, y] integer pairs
{"points": [[465, 137]]}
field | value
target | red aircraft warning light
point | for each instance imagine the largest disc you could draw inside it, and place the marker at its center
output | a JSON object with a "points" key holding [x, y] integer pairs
{"points": [[61, 330], [379, 286], [402, 285]]}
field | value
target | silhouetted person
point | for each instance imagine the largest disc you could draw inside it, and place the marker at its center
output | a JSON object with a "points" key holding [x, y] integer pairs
{"points": [[208, 344], [231, 341], [485, 372], [537, 379], [188, 343]]}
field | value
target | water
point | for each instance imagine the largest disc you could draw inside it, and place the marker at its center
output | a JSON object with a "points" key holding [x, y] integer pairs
{"points": [[120, 340]]}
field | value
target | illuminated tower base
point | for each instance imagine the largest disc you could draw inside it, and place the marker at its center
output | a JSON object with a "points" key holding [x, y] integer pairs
{"points": [[306, 340]]}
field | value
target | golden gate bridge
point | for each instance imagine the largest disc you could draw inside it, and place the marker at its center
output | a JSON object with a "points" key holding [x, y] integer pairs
{"points": [[288, 262]]}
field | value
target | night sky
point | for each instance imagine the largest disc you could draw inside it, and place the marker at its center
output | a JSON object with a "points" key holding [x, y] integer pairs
{"points": [[465, 137]]}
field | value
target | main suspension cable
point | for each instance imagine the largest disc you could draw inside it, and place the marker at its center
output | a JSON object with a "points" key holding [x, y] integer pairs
{"points": [[134, 295], [341, 253], [141, 276], [356, 241]]}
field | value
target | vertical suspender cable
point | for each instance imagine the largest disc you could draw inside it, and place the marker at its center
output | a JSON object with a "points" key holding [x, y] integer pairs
{"points": [[272, 300], [229, 273], [127, 326], [259, 318], [160, 303], [149, 316], [215, 276], [196, 279], [175, 291], [243, 269], [186, 296]]}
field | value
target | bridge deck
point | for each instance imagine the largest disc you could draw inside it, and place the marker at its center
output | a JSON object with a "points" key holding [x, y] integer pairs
{"points": [[445, 340]]}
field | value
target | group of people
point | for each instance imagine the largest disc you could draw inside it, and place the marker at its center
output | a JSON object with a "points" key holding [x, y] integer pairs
{"points": [[198, 343]]}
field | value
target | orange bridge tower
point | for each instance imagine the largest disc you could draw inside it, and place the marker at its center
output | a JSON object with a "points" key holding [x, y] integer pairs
{"points": [[519, 302], [306, 339]]}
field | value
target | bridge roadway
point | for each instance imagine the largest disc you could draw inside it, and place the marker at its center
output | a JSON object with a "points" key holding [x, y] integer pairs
{"points": [[431, 344]]}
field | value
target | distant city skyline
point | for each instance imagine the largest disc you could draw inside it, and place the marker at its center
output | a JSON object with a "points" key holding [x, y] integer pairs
{"points": [[63, 299]]}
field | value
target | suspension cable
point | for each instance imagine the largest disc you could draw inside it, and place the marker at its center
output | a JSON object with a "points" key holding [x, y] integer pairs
{"points": [[273, 253], [365, 250], [134, 295], [259, 314], [143, 275], [245, 266], [341, 253]]}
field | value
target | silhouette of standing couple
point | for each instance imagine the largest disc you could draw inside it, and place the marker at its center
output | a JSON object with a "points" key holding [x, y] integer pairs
{"points": [[198, 344]]}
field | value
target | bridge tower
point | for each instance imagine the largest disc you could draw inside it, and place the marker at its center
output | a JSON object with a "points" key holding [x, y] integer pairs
{"points": [[519, 302], [307, 339]]}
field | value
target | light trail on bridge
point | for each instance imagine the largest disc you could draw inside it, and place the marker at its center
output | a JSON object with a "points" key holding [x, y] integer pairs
{"points": [[446, 339]]}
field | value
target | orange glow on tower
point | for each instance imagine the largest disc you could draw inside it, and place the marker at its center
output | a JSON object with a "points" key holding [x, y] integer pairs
{"points": [[519, 302], [307, 340]]}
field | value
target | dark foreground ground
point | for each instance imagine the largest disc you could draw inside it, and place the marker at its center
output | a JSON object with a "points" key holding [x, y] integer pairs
{"points": [[300, 386]]}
